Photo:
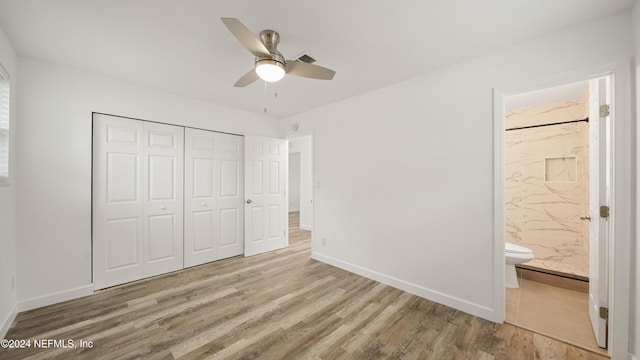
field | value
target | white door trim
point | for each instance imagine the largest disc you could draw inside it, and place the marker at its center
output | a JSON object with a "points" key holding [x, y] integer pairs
{"points": [[498, 205], [621, 207]]}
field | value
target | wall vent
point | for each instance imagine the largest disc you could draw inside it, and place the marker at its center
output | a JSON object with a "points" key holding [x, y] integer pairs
{"points": [[306, 59]]}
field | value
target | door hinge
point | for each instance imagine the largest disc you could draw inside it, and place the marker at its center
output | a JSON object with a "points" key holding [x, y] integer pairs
{"points": [[605, 110], [604, 313], [604, 211]]}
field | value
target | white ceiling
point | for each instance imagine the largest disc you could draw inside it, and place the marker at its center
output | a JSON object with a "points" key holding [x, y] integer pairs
{"points": [[182, 47]]}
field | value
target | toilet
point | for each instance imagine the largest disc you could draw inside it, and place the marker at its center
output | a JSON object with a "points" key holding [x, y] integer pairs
{"points": [[514, 254]]}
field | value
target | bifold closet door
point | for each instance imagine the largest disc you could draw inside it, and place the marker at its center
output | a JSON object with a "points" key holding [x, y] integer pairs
{"points": [[231, 196], [213, 196], [137, 199], [117, 201], [163, 206]]}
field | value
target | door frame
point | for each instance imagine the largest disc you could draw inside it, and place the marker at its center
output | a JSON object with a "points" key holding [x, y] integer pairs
{"points": [[621, 189]]}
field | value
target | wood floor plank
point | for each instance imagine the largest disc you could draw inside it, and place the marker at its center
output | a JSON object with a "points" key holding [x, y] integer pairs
{"points": [[279, 305]]}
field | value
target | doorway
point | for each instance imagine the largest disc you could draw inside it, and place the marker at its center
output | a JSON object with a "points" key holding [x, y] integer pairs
{"points": [[556, 175], [301, 180]]}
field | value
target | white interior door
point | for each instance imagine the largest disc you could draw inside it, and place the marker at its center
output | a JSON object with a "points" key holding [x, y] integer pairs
{"points": [[265, 187], [163, 205], [214, 196], [118, 230], [598, 189]]}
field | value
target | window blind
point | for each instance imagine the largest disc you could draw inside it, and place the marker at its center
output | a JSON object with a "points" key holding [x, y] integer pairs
{"points": [[4, 125]]}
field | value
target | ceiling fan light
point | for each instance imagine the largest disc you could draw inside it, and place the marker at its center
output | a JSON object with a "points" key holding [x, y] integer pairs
{"points": [[270, 70]]}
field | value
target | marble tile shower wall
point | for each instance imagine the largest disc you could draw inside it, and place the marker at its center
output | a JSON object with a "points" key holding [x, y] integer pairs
{"points": [[547, 189]]}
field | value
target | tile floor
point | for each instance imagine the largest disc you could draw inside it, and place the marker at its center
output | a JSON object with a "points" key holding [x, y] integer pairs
{"points": [[552, 311]]}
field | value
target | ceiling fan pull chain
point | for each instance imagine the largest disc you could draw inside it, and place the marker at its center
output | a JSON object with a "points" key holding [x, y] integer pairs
{"points": [[265, 97]]}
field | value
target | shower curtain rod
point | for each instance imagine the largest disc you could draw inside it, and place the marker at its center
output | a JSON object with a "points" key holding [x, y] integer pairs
{"points": [[556, 123]]}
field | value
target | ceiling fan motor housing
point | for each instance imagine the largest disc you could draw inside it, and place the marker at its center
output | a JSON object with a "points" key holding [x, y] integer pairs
{"points": [[270, 39]]}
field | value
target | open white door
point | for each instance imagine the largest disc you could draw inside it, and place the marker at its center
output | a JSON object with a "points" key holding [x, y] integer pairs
{"points": [[265, 194], [598, 189]]}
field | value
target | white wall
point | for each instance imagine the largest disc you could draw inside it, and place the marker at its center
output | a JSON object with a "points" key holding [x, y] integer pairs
{"points": [[303, 145], [634, 324], [294, 181], [404, 174], [8, 309], [54, 207]]}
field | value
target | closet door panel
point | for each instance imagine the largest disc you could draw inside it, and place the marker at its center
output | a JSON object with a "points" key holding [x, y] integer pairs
{"points": [[203, 231], [117, 200], [231, 196], [201, 216], [163, 205]]}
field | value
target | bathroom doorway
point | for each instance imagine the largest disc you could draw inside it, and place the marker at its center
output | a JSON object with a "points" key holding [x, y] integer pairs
{"points": [[551, 205], [301, 185]]}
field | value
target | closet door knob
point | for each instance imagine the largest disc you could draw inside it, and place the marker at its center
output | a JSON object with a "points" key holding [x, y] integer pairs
{"points": [[249, 201], [585, 218], [162, 207]]}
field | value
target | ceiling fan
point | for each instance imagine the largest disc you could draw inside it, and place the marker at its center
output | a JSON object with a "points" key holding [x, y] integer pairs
{"points": [[270, 64]]}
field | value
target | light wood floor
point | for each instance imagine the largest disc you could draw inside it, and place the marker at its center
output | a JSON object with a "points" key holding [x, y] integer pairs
{"points": [[553, 311], [280, 305]]}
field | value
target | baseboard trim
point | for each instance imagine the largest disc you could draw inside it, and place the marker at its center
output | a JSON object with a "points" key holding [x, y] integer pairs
{"points": [[6, 324], [305, 227], [429, 294], [54, 298]]}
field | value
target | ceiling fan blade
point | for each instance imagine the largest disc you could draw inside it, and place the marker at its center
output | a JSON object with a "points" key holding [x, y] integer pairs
{"points": [[247, 79], [299, 68], [246, 37]]}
